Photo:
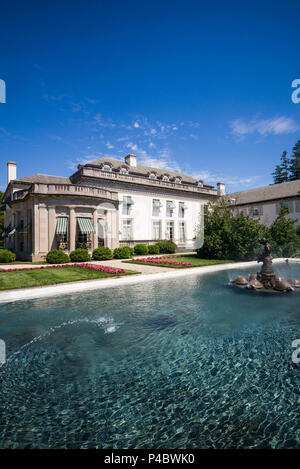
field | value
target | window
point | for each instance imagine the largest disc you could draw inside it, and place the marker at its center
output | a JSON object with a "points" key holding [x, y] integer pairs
{"points": [[106, 168], [177, 180], [62, 233], [152, 176], [254, 212], [165, 178], [101, 228], [127, 203], [170, 230], [127, 230], [21, 235], [170, 208], [156, 230], [181, 232], [123, 171], [126, 209], [181, 208], [156, 204]]}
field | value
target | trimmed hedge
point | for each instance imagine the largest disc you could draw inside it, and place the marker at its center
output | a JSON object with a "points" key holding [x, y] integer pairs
{"points": [[102, 254], [122, 253], [80, 255], [153, 249], [167, 247], [7, 256], [141, 249], [57, 257]]}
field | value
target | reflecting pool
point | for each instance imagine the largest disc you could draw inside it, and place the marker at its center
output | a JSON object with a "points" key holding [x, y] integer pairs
{"points": [[183, 363]]}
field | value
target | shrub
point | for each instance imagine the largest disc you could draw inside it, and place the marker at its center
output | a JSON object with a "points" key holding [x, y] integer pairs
{"points": [[141, 249], [122, 253], [102, 254], [7, 256], [167, 247], [153, 249], [80, 255], [57, 257]]}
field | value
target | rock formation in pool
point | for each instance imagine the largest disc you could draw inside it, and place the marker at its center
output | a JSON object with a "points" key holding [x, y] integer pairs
{"points": [[266, 279]]}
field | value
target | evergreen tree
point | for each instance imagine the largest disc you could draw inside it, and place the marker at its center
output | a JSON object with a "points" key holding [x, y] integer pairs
{"points": [[281, 173], [277, 175], [295, 163], [285, 166]]}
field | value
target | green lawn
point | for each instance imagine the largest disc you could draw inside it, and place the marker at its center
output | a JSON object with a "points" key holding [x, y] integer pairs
{"points": [[39, 277], [192, 258]]}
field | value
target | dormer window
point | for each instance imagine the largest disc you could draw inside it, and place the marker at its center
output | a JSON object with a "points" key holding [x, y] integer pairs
{"points": [[200, 184], [152, 176], [123, 171], [177, 181], [165, 178], [106, 168]]}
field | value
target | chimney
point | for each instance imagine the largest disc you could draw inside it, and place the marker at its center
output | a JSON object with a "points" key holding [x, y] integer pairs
{"points": [[11, 171], [221, 189], [130, 160]]}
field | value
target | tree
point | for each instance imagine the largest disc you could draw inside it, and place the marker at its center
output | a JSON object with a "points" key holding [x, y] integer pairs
{"points": [[283, 236], [295, 163], [281, 173], [230, 237], [237, 237]]}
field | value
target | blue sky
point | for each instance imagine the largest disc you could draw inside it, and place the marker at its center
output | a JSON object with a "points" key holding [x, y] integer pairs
{"points": [[199, 87]]}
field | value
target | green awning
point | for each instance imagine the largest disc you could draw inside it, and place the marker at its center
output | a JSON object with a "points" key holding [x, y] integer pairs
{"points": [[157, 203], [86, 225], [61, 227]]}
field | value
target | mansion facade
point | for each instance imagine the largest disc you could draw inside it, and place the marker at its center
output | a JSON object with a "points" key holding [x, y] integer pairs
{"points": [[107, 202]]}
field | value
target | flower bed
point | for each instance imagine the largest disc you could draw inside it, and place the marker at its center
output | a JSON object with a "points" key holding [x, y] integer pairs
{"points": [[161, 260], [109, 270]]}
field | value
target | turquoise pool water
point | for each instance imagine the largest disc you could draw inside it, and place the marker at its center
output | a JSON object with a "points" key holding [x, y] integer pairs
{"points": [[183, 363]]}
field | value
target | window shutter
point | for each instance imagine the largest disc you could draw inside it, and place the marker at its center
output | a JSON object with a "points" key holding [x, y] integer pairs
{"points": [[261, 210], [277, 208], [297, 205]]}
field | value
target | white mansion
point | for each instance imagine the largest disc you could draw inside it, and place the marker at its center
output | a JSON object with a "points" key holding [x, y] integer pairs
{"points": [[107, 202]]}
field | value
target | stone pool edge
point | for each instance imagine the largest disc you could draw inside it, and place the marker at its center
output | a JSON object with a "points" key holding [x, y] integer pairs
{"points": [[10, 296]]}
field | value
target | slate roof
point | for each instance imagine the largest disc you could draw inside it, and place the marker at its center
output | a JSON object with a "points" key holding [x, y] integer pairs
{"points": [[142, 170], [44, 179], [261, 194]]}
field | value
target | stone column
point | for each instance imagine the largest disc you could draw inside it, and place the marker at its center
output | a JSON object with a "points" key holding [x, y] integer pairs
{"points": [[36, 228], [115, 229], [51, 228], [72, 229], [95, 235]]}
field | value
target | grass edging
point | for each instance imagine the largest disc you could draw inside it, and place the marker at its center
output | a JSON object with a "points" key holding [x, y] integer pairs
{"points": [[43, 277]]}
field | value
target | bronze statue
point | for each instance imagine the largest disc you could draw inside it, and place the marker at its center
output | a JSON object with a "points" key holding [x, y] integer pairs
{"points": [[267, 275], [266, 279]]}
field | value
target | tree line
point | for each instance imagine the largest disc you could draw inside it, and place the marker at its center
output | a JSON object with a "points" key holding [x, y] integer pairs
{"points": [[237, 237], [289, 167]]}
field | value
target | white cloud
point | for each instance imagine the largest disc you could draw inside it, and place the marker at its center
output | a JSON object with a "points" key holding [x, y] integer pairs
{"points": [[273, 126], [213, 178]]}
